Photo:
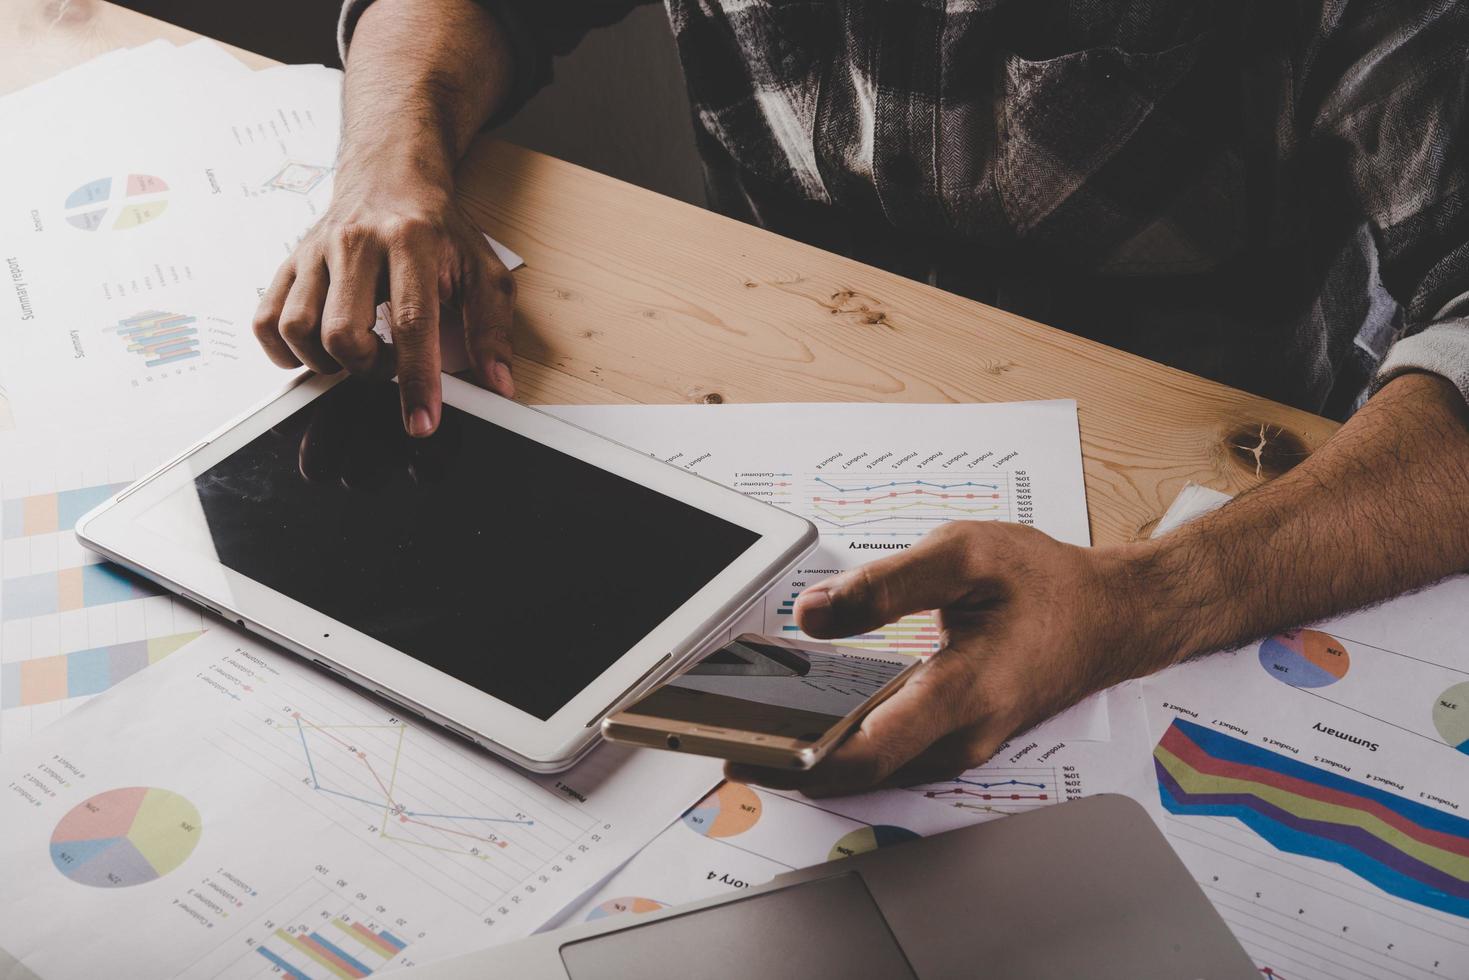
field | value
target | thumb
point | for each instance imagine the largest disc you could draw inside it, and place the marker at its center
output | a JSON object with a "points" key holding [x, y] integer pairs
{"points": [[930, 575]]}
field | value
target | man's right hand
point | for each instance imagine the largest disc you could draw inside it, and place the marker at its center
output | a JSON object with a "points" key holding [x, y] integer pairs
{"points": [[416, 248], [423, 76]]}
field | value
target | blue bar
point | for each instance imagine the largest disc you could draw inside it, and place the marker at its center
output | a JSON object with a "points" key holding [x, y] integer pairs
{"points": [[176, 357], [392, 939], [72, 504], [12, 517], [289, 970], [30, 595], [88, 672], [338, 951], [104, 582]]}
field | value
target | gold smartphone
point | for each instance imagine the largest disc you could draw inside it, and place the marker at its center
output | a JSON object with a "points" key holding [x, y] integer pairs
{"points": [[763, 700]]}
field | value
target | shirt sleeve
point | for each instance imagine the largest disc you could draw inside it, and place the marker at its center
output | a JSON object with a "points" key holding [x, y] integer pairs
{"points": [[536, 30], [1392, 112]]}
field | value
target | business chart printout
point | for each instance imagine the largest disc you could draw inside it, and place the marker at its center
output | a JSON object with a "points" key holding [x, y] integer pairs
{"points": [[232, 813], [1316, 783]]}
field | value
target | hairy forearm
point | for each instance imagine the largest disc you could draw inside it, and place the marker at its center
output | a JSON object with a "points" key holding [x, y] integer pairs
{"points": [[1380, 509], [422, 77]]}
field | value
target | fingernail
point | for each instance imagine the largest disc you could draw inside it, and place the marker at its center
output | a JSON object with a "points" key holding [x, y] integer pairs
{"points": [[500, 372], [419, 423], [816, 598]]}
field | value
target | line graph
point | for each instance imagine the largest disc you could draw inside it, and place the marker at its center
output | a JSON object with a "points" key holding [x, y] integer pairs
{"points": [[904, 503], [478, 835], [997, 790], [397, 820]]}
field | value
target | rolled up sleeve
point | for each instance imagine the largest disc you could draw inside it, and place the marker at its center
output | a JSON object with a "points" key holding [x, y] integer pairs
{"points": [[1441, 348], [536, 31]]}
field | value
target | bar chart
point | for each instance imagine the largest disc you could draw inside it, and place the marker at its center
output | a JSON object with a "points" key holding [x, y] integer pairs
{"points": [[917, 635], [42, 680], [158, 337], [70, 589], [49, 513]]}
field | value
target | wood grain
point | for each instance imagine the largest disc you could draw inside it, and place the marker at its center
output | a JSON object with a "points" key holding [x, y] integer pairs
{"points": [[631, 296]]}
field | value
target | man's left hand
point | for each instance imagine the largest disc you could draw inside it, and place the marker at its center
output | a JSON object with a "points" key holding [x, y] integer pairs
{"points": [[1030, 626]]}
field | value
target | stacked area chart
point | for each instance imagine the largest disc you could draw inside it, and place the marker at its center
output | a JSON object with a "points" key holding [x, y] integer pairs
{"points": [[1404, 848]]}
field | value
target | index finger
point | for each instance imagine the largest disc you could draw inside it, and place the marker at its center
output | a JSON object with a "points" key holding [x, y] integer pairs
{"points": [[413, 299]]}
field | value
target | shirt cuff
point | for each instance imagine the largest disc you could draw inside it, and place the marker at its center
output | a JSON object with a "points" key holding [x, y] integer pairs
{"points": [[1442, 348], [530, 62]]}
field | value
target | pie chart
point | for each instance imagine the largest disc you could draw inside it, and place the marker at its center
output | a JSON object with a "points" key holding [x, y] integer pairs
{"points": [[116, 203], [619, 906], [865, 839], [125, 837], [1305, 658], [731, 809], [1451, 716]]}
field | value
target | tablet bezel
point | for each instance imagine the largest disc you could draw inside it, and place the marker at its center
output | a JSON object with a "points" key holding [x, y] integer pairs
{"points": [[113, 529]]}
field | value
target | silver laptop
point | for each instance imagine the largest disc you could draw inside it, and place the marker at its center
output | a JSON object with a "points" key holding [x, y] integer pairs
{"points": [[1087, 889]]}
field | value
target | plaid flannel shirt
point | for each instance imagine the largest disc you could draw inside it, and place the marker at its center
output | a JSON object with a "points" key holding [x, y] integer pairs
{"points": [[1272, 193]]}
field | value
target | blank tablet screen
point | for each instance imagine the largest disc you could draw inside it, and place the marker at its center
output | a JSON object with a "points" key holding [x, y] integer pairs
{"points": [[512, 566]]}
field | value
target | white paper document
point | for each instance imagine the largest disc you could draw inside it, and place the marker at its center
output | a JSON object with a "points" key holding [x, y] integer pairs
{"points": [[231, 813]]}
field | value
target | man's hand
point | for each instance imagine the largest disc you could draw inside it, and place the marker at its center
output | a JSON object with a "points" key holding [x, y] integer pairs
{"points": [[1030, 627], [422, 77], [321, 307]]}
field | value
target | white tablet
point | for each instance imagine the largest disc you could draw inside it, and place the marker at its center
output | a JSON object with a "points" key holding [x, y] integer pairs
{"points": [[514, 578]]}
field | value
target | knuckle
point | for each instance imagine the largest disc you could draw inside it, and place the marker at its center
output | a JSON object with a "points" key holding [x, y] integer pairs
{"points": [[412, 317], [297, 324], [409, 229], [343, 342], [263, 324]]}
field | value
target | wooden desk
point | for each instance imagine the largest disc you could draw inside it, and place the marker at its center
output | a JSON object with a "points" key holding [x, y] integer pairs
{"points": [[631, 296]]}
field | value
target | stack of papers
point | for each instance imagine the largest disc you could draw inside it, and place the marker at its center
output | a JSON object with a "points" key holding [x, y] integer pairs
{"points": [[204, 806]]}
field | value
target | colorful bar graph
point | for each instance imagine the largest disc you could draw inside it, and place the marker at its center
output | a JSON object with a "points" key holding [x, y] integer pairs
{"points": [[159, 337], [70, 588], [335, 955], [282, 965], [74, 675], [308, 946], [917, 634], [1403, 847], [49, 513]]}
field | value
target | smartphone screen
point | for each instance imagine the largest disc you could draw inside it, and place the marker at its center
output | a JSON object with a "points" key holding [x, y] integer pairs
{"points": [[772, 689]]}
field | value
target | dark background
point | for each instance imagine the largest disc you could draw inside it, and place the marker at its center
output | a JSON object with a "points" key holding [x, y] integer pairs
{"points": [[617, 106]]}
